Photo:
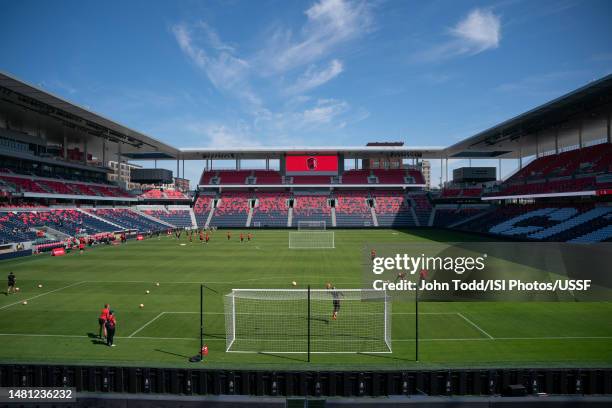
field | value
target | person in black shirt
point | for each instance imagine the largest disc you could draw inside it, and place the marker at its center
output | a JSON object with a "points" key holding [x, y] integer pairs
{"points": [[111, 325], [11, 283]]}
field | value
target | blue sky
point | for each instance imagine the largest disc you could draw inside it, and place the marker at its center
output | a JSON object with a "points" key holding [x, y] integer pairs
{"points": [[326, 72]]}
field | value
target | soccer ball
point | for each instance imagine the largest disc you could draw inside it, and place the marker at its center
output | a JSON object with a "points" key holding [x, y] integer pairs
{"points": [[25, 302], [148, 292], [39, 285], [294, 283], [141, 305], [156, 283], [16, 289]]}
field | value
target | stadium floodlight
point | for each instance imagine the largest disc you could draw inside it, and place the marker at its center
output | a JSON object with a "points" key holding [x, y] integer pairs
{"points": [[311, 226], [311, 240], [301, 321]]}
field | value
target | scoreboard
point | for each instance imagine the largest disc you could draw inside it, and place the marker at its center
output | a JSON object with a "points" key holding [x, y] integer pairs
{"points": [[316, 164]]}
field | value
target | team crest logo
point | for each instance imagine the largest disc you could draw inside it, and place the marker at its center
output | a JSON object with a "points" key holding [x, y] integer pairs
{"points": [[311, 163]]}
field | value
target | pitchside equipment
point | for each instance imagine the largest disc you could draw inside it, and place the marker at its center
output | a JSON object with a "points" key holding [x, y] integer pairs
{"points": [[300, 321], [311, 226]]}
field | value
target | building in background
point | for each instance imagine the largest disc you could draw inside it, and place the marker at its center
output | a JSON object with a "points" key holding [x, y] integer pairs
{"points": [[181, 184], [122, 176], [426, 170]]}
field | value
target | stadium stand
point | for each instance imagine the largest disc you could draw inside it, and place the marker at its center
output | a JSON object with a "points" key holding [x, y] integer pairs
{"points": [[446, 217], [267, 177], [422, 206], [158, 194], [201, 209], [271, 210], [352, 209], [70, 222], [14, 229], [311, 179], [232, 210], [355, 176], [569, 171], [272, 177], [392, 209], [128, 219], [233, 176], [539, 222], [311, 208], [178, 218]]}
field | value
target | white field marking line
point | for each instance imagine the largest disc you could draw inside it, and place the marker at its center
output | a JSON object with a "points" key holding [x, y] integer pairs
{"points": [[43, 294], [398, 340], [476, 326], [148, 323], [300, 314], [198, 282]]}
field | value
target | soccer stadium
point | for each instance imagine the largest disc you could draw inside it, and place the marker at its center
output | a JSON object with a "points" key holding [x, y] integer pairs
{"points": [[381, 273]]}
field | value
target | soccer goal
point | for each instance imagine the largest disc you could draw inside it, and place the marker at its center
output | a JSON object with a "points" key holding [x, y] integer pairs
{"points": [[311, 226], [301, 321], [311, 240]]}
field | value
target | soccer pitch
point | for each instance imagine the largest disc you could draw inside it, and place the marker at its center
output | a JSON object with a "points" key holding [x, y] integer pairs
{"points": [[59, 322]]}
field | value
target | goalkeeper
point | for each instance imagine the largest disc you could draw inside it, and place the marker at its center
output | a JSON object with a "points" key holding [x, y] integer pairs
{"points": [[336, 295]]}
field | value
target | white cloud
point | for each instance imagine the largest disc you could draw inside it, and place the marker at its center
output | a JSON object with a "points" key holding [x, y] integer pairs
{"points": [[284, 68], [224, 70], [329, 24], [479, 31], [325, 111], [313, 78], [221, 135]]}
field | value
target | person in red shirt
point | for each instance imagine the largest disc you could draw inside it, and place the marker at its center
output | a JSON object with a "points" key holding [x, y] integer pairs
{"points": [[249, 236], [111, 325], [241, 237], [229, 235], [81, 246], [207, 238], [372, 254], [102, 320], [201, 237]]}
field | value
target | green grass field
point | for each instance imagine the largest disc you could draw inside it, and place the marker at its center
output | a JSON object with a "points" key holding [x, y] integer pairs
{"points": [[60, 320]]}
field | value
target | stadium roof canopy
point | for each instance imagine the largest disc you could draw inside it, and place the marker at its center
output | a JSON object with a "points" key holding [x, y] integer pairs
{"points": [[502, 140], [33, 99], [349, 152]]}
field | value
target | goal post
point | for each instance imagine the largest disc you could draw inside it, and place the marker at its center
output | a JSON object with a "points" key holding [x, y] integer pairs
{"points": [[312, 225], [291, 321], [311, 240]]}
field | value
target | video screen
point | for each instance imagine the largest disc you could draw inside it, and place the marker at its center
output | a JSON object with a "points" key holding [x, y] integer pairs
{"points": [[311, 164]]}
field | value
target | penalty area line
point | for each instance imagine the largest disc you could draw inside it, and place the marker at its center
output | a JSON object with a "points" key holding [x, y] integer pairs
{"points": [[68, 336], [475, 326], [43, 294], [147, 323]]}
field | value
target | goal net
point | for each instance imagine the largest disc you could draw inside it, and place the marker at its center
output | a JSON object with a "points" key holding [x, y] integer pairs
{"points": [[311, 240], [277, 321], [311, 226]]}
